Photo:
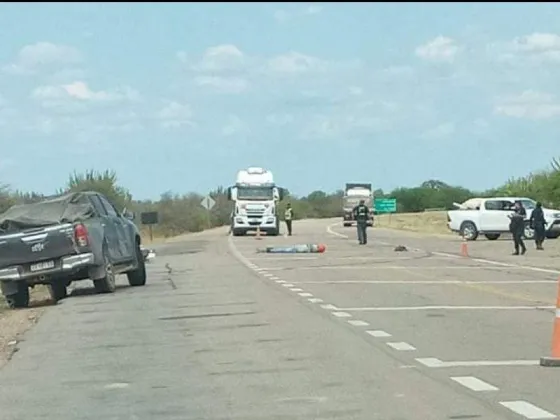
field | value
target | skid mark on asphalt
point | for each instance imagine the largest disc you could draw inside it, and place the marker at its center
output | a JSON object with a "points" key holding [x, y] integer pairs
{"points": [[522, 408]]}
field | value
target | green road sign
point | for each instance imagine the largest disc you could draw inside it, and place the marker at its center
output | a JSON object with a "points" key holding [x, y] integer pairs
{"points": [[385, 205]]}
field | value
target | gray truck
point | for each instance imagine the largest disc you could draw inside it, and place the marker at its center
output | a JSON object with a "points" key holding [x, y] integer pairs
{"points": [[76, 236], [353, 193]]}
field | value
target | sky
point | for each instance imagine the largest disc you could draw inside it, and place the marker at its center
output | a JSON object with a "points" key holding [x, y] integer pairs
{"points": [[180, 96]]}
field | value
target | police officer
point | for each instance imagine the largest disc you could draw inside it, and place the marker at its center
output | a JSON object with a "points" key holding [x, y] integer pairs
{"points": [[517, 226], [361, 215], [538, 223], [288, 216]]}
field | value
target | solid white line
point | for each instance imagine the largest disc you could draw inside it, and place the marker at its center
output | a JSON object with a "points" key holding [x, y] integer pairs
{"points": [[401, 346], [358, 323], [305, 294], [288, 285], [428, 282], [341, 314], [297, 289], [378, 334], [434, 362], [332, 232], [473, 383], [426, 308], [315, 300], [284, 258], [328, 306], [527, 410]]}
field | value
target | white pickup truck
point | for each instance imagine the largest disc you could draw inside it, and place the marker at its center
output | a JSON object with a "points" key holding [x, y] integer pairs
{"points": [[489, 216]]}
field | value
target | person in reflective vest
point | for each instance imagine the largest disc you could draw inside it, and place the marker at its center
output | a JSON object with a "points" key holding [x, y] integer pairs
{"points": [[288, 216], [361, 215]]}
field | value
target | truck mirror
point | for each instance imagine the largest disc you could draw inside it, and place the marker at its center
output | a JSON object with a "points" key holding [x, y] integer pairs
{"points": [[280, 194], [232, 193], [229, 194]]}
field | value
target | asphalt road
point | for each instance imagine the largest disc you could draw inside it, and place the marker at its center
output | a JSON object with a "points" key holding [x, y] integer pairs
{"points": [[359, 332]]}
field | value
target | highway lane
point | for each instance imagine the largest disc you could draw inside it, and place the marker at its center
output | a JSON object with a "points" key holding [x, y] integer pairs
{"points": [[232, 334], [480, 322]]}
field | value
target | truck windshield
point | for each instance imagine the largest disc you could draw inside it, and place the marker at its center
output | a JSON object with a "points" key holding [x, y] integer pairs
{"points": [[255, 193]]}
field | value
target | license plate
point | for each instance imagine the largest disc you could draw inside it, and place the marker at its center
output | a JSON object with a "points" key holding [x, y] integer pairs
{"points": [[45, 265]]}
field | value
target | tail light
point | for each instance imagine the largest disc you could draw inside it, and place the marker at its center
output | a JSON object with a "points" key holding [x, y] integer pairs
{"points": [[81, 235]]}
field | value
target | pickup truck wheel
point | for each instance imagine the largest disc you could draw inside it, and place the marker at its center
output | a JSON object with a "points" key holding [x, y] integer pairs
{"points": [[58, 290], [551, 235], [137, 277], [492, 236], [19, 299], [468, 231], [528, 233], [108, 283]]}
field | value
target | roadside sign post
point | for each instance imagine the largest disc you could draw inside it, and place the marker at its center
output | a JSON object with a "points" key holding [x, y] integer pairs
{"points": [[208, 203], [385, 205], [150, 218]]}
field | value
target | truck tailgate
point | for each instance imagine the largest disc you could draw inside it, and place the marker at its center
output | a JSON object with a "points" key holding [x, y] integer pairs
{"points": [[36, 245]]}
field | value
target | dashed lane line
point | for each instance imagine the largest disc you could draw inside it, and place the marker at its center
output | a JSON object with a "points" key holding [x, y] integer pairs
{"points": [[473, 383], [341, 314], [402, 346], [296, 289], [527, 410], [305, 294], [315, 300], [358, 323], [378, 333]]}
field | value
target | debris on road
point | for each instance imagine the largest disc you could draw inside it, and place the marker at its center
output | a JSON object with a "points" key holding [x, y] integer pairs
{"points": [[401, 248], [294, 249]]}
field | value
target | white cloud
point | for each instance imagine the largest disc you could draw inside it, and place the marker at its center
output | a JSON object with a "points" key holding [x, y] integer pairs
{"points": [[440, 49], [175, 115], [53, 96], [282, 15], [223, 84], [355, 91], [225, 57], [539, 46], [234, 126], [441, 131], [294, 62], [35, 57], [529, 104], [280, 119]]}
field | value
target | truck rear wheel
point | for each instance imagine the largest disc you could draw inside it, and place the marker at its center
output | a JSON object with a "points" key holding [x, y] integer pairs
{"points": [[137, 277], [20, 299], [58, 290], [108, 283]]}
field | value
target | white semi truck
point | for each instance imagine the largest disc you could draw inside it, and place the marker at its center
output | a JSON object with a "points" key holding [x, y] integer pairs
{"points": [[353, 193], [255, 197]]}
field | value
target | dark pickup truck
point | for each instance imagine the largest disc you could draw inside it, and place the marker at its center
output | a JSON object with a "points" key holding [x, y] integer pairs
{"points": [[76, 236]]}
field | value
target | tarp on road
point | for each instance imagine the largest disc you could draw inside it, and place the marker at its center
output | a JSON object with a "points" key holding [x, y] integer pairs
{"points": [[68, 208]]}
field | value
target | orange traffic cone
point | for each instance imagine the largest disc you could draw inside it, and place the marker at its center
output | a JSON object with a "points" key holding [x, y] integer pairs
{"points": [[554, 360], [258, 236], [464, 248]]}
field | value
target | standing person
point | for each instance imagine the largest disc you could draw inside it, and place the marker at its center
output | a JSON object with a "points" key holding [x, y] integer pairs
{"points": [[538, 223], [361, 214], [288, 216], [517, 226]]}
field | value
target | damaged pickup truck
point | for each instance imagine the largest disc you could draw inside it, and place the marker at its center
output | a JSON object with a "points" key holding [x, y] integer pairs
{"points": [[76, 236]]}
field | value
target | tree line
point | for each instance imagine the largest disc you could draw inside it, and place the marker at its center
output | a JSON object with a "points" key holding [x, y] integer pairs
{"points": [[182, 213]]}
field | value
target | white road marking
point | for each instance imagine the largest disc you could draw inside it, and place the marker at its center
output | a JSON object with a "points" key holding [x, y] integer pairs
{"points": [[429, 282], [328, 306], [401, 346], [358, 323], [433, 362], [528, 410], [285, 258], [267, 274], [443, 307], [280, 281], [296, 289], [305, 294], [274, 278], [315, 300], [341, 314], [288, 285], [332, 232], [378, 333], [473, 383]]}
